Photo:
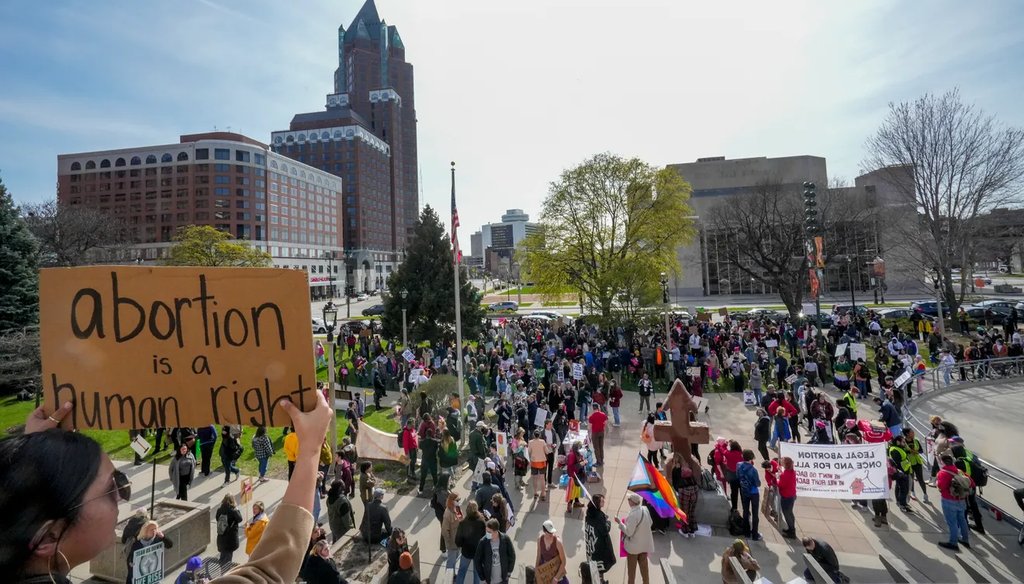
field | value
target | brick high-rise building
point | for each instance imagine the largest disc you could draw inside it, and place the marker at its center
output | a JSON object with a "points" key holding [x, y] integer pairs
{"points": [[366, 136]]}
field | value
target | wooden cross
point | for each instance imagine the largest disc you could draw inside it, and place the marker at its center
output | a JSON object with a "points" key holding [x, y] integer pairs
{"points": [[680, 430]]}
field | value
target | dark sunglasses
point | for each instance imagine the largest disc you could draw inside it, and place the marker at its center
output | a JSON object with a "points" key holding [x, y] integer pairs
{"points": [[122, 486]]}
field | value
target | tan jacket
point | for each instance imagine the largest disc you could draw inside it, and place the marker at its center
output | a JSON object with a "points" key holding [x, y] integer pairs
{"points": [[746, 561], [278, 556], [449, 526]]}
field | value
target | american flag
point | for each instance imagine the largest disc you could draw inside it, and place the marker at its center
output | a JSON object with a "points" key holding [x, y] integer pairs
{"points": [[455, 223]]}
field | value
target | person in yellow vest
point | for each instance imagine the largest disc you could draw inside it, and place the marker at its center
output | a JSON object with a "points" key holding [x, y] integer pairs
{"points": [[291, 451], [849, 402], [916, 454], [900, 459]]}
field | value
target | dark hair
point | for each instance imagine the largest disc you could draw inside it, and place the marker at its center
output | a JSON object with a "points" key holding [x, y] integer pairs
{"points": [[748, 455], [261, 431], [651, 418], [734, 445], [494, 524], [364, 466], [43, 476], [947, 459]]}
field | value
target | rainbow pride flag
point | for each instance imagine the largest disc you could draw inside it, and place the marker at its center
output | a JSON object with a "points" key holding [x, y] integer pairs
{"points": [[648, 482]]}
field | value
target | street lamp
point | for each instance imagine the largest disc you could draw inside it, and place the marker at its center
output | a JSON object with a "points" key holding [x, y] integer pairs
{"points": [[330, 321], [405, 332], [668, 335], [853, 292], [330, 255], [812, 228]]}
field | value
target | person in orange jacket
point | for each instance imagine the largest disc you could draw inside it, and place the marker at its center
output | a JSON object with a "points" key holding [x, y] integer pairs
{"points": [[291, 451], [254, 528]]}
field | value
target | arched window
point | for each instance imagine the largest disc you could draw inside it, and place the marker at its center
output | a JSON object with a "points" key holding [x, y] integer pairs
{"points": [[105, 163], [183, 157], [76, 166], [303, 174], [290, 139], [151, 159], [166, 158], [295, 172], [325, 136], [90, 165], [119, 162], [273, 164], [302, 137], [136, 161], [337, 134], [313, 136]]}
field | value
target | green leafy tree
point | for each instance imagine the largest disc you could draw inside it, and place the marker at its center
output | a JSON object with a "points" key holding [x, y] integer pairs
{"points": [[609, 227], [426, 276], [19, 282], [203, 245]]}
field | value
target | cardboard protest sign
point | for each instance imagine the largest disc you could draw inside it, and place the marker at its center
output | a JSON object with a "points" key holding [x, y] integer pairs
{"points": [[148, 347]]}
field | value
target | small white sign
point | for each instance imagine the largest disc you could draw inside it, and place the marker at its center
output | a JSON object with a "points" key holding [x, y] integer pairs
{"points": [[539, 417], [408, 355], [501, 442], [791, 379], [577, 371], [903, 378], [140, 445], [560, 376], [841, 349], [748, 398], [858, 351], [771, 343]]}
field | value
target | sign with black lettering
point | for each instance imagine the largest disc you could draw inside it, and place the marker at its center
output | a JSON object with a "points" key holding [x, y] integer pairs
{"points": [[839, 471], [165, 347]]}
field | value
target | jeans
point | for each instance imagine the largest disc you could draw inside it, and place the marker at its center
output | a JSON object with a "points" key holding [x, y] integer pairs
{"points": [[584, 411], [758, 396], [453, 557], [946, 375], [615, 416], [229, 467], [412, 463], [464, 565], [787, 512], [862, 388], [751, 507], [645, 402], [263, 466], [955, 513]]}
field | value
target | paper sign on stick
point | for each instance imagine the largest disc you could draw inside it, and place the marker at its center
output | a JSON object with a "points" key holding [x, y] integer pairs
{"points": [[840, 349], [858, 351], [148, 347]]}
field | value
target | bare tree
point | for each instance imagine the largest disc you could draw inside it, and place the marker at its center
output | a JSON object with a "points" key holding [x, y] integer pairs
{"points": [[767, 239], [68, 233], [964, 163]]}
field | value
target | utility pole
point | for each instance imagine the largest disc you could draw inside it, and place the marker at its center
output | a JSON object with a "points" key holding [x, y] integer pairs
{"points": [[814, 243]]}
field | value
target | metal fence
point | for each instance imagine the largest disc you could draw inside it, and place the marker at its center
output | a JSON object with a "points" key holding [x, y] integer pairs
{"points": [[978, 371]]}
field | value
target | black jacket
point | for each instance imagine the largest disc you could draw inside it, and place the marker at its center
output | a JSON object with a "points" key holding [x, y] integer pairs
{"points": [[763, 429], [228, 541], [376, 524], [320, 571], [826, 556], [485, 557], [598, 538], [403, 577], [469, 534]]}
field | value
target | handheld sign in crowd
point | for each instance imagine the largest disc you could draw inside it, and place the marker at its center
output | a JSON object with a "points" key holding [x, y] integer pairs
{"points": [[167, 347], [791, 378], [841, 349], [140, 445], [577, 371], [560, 375], [903, 378], [858, 351], [148, 564], [839, 471], [408, 355]]}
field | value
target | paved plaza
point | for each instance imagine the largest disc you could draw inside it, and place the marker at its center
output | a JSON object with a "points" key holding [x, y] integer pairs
{"points": [[909, 539]]}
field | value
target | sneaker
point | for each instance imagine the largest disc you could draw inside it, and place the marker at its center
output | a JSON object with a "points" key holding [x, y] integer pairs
{"points": [[949, 546], [926, 501], [878, 521], [965, 543], [756, 537], [913, 496]]}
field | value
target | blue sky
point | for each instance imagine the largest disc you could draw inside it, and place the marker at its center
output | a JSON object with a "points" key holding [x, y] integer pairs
{"points": [[513, 91]]}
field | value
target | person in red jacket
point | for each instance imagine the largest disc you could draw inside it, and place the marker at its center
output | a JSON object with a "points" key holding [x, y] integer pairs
{"points": [[410, 445], [787, 495], [954, 508], [614, 400], [598, 420], [733, 456]]}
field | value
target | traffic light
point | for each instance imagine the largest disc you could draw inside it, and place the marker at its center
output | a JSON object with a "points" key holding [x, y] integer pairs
{"points": [[810, 209]]}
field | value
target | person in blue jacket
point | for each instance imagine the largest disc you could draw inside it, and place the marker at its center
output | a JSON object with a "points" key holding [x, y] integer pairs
{"points": [[750, 494]]}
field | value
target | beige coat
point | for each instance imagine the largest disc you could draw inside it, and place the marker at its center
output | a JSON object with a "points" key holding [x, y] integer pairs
{"points": [[449, 525], [637, 528]]}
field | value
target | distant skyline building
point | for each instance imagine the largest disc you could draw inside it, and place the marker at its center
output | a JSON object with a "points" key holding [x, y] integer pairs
{"points": [[706, 267], [495, 243], [226, 180], [367, 136]]}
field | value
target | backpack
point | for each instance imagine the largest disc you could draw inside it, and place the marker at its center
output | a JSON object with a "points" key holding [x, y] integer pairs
{"points": [[401, 432], [959, 485], [707, 481], [978, 472], [737, 526], [222, 524], [711, 458]]}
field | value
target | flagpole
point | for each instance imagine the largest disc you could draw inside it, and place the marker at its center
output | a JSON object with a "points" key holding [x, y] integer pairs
{"points": [[458, 308]]}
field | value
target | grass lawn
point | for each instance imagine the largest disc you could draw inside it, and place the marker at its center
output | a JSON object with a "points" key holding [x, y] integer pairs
{"points": [[560, 303], [536, 290]]}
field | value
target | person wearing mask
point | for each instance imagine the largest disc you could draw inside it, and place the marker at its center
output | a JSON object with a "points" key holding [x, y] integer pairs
{"points": [[954, 486], [182, 470], [749, 482], [230, 451], [228, 521], [450, 522], [741, 552], [495, 555], [405, 573], [646, 388], [149, 535], [376, 523], [826, 558], [320, 567], [551, 558], [262, 449], [638, 539], [763, 432], [470, 532], [597, 534], [787, 496]]}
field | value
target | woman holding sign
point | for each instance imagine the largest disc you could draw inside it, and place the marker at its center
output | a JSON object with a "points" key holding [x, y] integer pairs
{"points": [[61, 494]]}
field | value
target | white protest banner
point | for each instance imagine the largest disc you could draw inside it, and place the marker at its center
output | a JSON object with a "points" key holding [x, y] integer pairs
{"points": [[840, 349], [771, 343], [903, 378], [791, 379], [858, 351], [577, 371], [839, 471], [693, 371], [140, 445], [560, 376], [539, 417], [809, 308], [501, 442], [408, 355], [148, 564]]}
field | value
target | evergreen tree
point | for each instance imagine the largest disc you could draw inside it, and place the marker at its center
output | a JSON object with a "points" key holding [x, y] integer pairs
{"points": [[19, 281], [426, 275]]}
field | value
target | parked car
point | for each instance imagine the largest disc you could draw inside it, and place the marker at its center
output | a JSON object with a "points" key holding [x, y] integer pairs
{"points": [[375, 310], [993, 315], [362, 297], [508, 306], [896, 313], [766, 313], [860, 309], [930, 308], [319, 326], [998, 302], [551, 315]]}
